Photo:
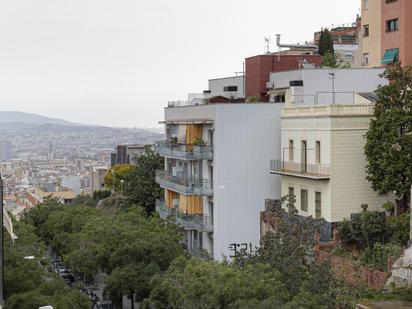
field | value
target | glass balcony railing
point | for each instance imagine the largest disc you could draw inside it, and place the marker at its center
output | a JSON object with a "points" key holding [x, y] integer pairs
{"points": [[304, 170], [184, 185], [198, 222], [186, 152]]}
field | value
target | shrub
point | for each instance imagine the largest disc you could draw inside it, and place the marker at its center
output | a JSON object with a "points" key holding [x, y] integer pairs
{"points": [[399, 229], [365, 230], [377, 256]]}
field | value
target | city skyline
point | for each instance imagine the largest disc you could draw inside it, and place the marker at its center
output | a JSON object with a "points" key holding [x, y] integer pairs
{"points": [[118, 63]]}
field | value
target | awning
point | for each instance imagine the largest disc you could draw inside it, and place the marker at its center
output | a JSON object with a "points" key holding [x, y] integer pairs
{"points": [[391, 56]]}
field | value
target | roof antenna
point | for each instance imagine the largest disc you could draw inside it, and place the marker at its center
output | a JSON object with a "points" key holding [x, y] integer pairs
{"points": [[267, 45], [278, 44]]}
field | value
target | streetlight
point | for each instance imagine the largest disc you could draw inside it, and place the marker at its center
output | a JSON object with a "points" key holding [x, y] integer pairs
{"points": [[333, 87]]}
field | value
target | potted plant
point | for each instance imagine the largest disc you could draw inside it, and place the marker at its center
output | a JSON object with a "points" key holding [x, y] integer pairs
{"points": [[389, 207], [173, 140], [199, 142]]}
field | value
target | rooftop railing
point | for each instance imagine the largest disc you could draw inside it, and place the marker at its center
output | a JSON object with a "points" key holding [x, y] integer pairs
{"points": [[187, 152], [184, 185], [303, 170]]}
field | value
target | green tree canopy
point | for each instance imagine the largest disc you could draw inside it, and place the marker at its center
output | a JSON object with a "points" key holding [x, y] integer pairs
{"points": [[388, 146], [325, 44], [140, 186], [121, 172]]}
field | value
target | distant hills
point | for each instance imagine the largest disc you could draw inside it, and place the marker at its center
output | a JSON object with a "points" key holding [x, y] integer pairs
{"points": [[19, 122], [31, 119]]}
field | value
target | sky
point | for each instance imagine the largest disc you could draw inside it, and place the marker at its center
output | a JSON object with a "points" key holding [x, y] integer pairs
{"points": [[118, 62]]}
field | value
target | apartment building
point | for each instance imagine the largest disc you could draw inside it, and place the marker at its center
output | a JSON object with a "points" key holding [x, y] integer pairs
{"points": [[322, 161], [396, 31], [386, 35], [127, 154], [215, 176], [371, 36], [96, 178]]}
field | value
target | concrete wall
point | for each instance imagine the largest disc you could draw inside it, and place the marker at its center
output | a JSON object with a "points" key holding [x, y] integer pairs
{"points": [[349, 186], [216, 86], [246, 137]]}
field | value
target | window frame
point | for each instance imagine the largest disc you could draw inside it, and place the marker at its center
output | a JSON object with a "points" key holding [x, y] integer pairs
{"points": [[304, 197]]}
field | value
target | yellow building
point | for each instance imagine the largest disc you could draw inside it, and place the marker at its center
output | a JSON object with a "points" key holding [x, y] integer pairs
{"points": [[371, 33]]}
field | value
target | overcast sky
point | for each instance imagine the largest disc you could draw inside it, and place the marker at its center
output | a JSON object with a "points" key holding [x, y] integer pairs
{"points": [[118, 62]]}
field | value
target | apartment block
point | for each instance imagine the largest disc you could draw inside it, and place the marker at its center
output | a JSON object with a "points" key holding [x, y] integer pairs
{"points": [[216, 172], [386, 35], [371, 36], [127, 154], [322, 161], [96, 178]]}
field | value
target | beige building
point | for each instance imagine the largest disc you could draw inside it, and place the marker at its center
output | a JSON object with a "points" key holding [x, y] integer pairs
{"points": [[322, 161], [62, 194], [96, 178], [371, 33]]}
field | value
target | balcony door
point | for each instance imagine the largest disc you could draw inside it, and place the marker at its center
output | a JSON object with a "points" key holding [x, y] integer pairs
{"points": [[304, 157]]}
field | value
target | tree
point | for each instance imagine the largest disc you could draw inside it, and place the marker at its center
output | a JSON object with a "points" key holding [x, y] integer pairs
{"points": [[325, 44], [388, 147], [140, 185], [121, 172], [334, 61], [27, 284], [196, 283]]}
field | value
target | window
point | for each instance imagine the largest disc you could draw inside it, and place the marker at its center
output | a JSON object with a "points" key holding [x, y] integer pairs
{"points": [[348, 55], [317, 152], [365, 58], [365, 30], [365, 4], [230, 88], [304, 200], [279, 99], [392, 25], [291, 151], [318, 205], [291, 191]]}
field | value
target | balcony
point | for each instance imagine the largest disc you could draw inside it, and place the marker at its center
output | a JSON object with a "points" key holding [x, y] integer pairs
{"points": [[199, 223], [185, 152], [310, 171], [184, 185]]}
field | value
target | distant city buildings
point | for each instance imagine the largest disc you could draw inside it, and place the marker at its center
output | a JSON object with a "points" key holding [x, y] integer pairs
{"points": [[6, 150]]}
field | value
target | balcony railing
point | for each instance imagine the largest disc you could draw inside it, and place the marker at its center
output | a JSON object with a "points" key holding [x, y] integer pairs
{"points": [[312, 171], [184, 185], [186, 152], [199, 223]]}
